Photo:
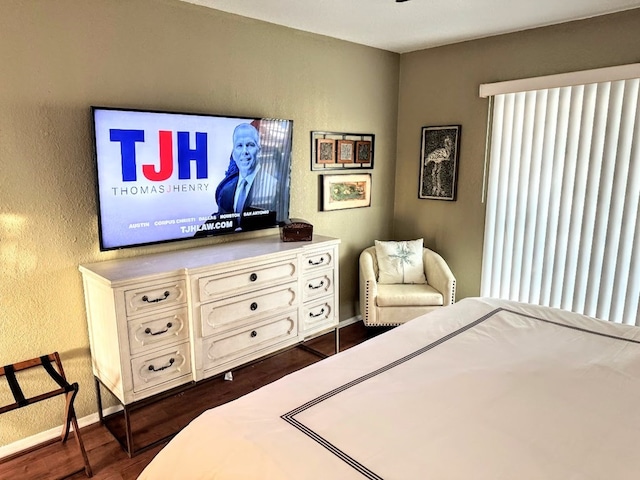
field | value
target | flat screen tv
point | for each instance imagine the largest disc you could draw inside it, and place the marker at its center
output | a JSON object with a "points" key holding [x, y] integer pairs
{"points": [[166, 176]]}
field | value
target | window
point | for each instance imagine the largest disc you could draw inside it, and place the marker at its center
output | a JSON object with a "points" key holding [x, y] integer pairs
{"points": [[562, 225]]}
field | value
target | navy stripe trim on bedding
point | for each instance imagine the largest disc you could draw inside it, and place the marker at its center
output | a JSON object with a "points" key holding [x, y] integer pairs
{"points": [[366, 472]]}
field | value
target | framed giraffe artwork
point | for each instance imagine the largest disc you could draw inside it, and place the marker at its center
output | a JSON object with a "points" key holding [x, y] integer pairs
{"points": [[439, 157]]}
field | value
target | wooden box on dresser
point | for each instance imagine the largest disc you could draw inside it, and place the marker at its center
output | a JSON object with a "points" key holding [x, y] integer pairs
{"points": [[163, 320]]}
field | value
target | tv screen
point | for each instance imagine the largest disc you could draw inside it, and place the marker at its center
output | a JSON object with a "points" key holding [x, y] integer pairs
{"points": [[166, 176]]}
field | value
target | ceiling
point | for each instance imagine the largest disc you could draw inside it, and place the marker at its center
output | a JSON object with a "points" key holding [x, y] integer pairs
{"points": [[416, 24]]}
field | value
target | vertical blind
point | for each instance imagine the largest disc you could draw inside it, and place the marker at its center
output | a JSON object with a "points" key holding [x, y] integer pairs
{"points": [[562, 224]]}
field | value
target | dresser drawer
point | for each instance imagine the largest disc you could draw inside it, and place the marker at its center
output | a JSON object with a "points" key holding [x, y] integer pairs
{"points": [[318, 314], [155, 297], [159, 367], [319, 259], [234, 311], [259, 276], [158, 330], [317, 285], [235, 344]]}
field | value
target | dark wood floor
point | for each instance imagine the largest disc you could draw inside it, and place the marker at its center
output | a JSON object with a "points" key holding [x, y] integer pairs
{"points": [[153, 422]]}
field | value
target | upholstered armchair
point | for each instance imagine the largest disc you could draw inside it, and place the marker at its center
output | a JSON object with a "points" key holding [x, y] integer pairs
{"points": [[386, 304]]}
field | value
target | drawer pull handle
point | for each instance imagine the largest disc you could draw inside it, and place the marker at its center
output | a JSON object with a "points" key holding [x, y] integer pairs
{"points": [[314, 315], [254, 334], [315, 287], [149, 332], [253, 277], [319, 262], [156, 300], [153, 369], [253, 306]]}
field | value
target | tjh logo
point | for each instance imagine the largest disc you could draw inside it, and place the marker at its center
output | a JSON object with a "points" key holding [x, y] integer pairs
{"points": [[186, 155]]}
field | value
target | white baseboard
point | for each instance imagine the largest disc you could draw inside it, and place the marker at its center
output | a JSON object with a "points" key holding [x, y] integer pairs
{"points": [[349, 321], [42, 437]]}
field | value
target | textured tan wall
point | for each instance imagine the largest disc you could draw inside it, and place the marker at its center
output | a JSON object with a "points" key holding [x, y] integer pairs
{"points": [[59, 58], [440, 87]]}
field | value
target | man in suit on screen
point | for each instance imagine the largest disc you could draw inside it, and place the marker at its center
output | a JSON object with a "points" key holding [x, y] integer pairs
{"points": [[247, 187]]}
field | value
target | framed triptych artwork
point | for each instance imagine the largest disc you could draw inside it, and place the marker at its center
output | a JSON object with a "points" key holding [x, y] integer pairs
{"points": [[341, 151]]}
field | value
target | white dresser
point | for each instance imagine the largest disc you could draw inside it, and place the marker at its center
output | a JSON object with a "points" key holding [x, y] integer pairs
{"points": [[159, 321]]}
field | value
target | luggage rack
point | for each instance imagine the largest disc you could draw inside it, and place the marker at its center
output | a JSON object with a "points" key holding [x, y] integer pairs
{"points": [[53, 366]]}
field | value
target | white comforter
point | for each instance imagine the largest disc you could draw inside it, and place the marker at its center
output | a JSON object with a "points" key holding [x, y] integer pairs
{"points": [[483, 389]]}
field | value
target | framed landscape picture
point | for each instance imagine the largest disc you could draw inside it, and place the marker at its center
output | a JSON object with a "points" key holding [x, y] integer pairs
{"points": [[346, 191], [439, 162]]}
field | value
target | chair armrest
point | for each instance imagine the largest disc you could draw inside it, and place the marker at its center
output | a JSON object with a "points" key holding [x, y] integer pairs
{"points": [[368, 285], [439, 275]]}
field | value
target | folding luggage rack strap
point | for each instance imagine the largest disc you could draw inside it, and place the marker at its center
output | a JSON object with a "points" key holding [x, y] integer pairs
{"points": [[53, 366]]}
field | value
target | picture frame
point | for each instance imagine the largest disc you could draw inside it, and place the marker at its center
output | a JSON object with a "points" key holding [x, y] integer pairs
{"points": [[363, 151], [345, 151], [439, 158], [325, 151], [343, 147], [341, 192]]}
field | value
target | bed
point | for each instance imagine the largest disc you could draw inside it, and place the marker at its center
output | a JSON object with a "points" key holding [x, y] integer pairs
{"points": [[483, 389]]}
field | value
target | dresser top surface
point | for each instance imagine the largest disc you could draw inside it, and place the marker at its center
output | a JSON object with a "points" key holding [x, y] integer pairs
{"points": [[181, 261]]}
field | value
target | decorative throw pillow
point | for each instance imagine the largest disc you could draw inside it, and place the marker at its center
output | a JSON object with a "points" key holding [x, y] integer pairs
{"points": [[400, 262]]}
